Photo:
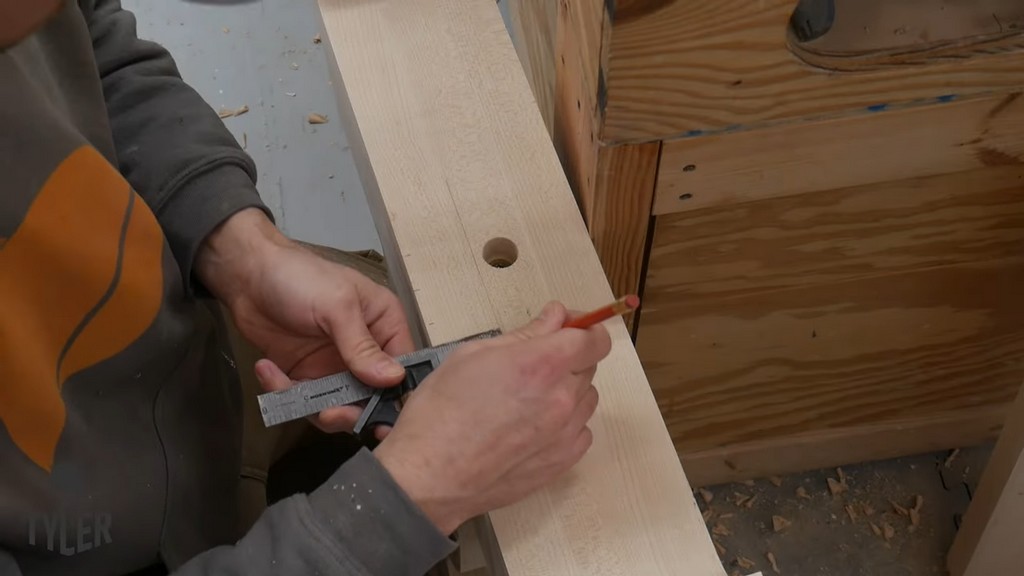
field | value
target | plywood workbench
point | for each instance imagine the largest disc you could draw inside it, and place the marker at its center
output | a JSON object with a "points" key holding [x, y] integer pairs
{"points": [[827, 236]]}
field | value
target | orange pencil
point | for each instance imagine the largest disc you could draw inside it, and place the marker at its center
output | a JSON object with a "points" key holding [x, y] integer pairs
{"points": [[617, 308]]}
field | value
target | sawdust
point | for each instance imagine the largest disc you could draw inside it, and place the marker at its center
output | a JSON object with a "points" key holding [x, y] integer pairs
{"points": [[229, 112]]}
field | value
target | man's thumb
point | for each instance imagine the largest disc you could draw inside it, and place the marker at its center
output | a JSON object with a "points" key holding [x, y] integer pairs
{"points": [[364, 356]]}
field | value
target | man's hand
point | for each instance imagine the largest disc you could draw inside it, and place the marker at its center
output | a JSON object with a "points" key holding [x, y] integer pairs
{"points": [[308, 316], [497, 420]]}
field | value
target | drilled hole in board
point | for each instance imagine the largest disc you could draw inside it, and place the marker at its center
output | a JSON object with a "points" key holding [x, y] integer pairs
{"points": [[500, 252]]}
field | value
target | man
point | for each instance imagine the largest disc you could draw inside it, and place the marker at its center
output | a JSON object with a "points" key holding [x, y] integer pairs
{"points": [[127, 211]]}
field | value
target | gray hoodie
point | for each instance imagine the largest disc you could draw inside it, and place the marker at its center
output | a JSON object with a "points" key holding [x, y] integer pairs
{"points": [[120, 411]]}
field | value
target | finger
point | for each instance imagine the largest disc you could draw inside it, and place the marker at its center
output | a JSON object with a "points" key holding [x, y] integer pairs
{"points": [[360, 351], [583, 412], [573, 350], [584, 381], [386, 319], [337, 419], [270, 377]]}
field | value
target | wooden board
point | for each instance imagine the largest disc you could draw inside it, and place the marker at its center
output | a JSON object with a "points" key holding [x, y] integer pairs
{"points": [[680, 67], [729, 169], [988, 542], [453, 153], [873, 34], [821, 316], [619, 213]]}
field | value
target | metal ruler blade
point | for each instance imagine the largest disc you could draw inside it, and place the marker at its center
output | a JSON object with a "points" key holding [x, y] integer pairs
{"points": [[309, 397]]}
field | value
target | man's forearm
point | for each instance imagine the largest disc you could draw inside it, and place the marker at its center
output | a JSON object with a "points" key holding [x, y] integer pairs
{"points": [[228, 258]]}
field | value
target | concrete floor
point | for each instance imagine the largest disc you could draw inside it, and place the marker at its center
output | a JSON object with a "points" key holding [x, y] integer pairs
{"points": [[865, 529], [261, 54]]}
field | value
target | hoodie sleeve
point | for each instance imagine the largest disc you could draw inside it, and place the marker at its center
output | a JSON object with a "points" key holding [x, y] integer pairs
{"points": [[358, 523], [171, 145]]}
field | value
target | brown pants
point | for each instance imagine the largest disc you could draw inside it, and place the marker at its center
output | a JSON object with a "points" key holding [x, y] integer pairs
{"points": [[262, 447]]}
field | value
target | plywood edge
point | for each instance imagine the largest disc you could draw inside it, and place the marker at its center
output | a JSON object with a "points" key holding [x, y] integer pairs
{"points": [[988, 541], [843, 446], [887, 145]]}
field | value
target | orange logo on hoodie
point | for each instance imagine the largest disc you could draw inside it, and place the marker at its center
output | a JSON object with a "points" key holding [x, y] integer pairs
{"points": [[80, 280]]}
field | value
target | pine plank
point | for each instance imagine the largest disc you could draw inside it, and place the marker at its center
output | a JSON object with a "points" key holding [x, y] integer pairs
{"points": [[793, 159], [453, 153]]}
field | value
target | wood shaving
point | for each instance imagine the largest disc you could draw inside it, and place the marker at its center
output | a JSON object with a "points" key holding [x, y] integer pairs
{"points": [[315, 118], [773, 562], [775, 480], [706, 495], [740, 499], [915, 512], [868, 509], [745, 563], [720, 530], [720, 549], [899, 509], [245, 140], [225, 29], [888, 531], [317, 39], [876, 529], [836, 487], [229, 112], [750, 503], [708, 515], [801, 492], [851, 512], [779, 523], [747, 483], [726, 516], [952, 456]]}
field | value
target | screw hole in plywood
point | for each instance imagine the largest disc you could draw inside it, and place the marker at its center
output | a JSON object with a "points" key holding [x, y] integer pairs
{"points": [[500, 252]]}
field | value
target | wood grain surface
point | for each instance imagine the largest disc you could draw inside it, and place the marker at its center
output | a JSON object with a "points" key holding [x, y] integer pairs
{"points": [[453, 153], [836, 310], [729, 169], [532, 26], [620, 210], [680, 67]]}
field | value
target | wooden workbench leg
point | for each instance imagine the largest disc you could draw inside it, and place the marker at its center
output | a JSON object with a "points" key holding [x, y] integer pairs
{"points": [[618, 212], [613, 184], [989, 541]]}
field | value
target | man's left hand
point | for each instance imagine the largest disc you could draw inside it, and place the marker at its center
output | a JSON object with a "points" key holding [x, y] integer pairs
{"points": [[308, 316]]}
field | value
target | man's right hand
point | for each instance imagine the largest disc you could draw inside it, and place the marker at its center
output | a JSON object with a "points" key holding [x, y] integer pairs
{"points": [[498, 419]]}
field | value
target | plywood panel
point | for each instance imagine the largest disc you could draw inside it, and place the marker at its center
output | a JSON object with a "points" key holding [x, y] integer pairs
{"points": [[453, 152], [942, 138], [836, 310], [680, 67]]}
